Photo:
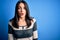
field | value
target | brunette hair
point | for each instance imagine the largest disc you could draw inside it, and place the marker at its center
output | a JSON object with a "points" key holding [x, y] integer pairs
{"points": [[27, 17]]}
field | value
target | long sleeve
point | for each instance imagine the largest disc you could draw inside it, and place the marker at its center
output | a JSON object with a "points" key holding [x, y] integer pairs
{"points": [[35, 33], [10, 34]]}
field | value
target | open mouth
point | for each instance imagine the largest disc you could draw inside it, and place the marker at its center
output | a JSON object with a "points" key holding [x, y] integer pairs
{"points": [[22, 14]]}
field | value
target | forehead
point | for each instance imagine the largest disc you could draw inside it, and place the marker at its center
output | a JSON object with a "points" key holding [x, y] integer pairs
{"points": [[21, 5]]}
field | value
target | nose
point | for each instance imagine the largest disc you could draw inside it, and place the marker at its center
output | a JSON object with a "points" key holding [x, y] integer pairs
{"points": [[21, 9]]}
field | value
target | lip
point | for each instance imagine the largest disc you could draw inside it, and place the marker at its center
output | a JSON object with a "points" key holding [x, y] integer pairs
{"points": [[22, 14]]}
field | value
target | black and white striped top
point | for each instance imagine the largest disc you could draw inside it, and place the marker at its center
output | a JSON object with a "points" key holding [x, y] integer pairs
{"points": [[23, 33]]}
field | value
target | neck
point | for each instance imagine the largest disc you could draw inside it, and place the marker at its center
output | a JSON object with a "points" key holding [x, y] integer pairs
{"points": [[22, 19]]}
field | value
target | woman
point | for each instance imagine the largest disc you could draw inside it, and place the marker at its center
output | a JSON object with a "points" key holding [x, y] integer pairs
{"points": [[22, 26]]}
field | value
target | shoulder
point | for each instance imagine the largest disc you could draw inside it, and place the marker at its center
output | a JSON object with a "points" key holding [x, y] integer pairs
{"points": [[33, 20], [10, 22]]}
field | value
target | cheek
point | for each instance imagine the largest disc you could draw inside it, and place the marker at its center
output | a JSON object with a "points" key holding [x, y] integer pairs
{"points": [[19, 10], [24, 11]]}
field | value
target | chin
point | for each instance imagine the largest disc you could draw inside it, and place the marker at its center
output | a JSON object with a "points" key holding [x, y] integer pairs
{"points": [[22, 16]]}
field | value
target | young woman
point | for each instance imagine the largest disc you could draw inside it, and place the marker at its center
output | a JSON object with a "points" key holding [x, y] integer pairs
{"points": [[22, 26]]}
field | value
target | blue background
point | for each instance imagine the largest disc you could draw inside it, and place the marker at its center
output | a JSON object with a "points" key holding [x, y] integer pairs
{"points": [[46, 12]]}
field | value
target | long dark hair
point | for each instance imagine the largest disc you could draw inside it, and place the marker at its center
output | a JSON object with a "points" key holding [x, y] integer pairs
{"points": [[27, 17]]}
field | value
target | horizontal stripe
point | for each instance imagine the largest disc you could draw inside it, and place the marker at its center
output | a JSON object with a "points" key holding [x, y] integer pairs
{"points": [[35, 26], [35, 34], [10, 37], [10, 30], [24, 29], [22, 33], [28, 38]]}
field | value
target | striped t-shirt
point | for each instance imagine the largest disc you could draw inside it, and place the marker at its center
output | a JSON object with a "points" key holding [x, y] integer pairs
{"points": [[23, 33]]}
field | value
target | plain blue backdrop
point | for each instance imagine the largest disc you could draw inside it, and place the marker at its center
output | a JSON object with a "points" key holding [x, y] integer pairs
{"points": [[46, 12]]}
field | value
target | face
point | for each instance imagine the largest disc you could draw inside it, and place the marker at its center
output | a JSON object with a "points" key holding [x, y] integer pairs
{"points": [[21, 10]]}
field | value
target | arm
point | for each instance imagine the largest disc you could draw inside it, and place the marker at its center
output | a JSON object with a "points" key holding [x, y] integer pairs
{"points": [[10, 34], [35, 33]]}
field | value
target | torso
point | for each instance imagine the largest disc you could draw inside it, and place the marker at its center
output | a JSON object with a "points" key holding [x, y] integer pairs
{"points": [[23, 32]]}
